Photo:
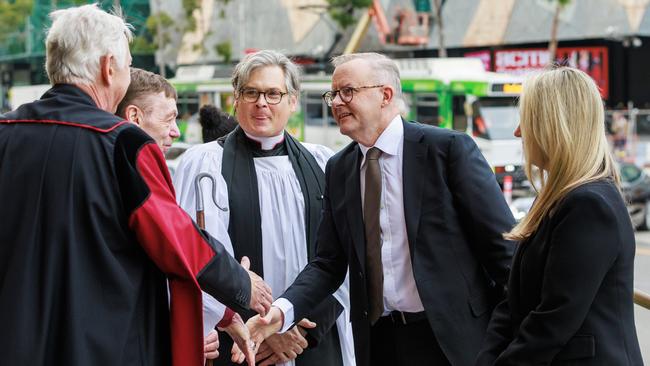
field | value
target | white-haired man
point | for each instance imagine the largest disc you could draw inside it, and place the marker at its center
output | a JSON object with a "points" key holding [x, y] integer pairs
{"points": [[93, 230]]}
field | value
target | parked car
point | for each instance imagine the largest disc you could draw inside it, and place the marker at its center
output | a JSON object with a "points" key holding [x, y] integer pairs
{"points": [[635, 184]]}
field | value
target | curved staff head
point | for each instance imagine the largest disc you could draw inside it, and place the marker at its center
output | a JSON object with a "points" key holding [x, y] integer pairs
{"points": [[266, 86], [562, 126], [199, 196], [89, 48]]}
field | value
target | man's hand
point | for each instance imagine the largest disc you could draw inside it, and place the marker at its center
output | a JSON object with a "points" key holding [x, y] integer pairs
{"points": [[260, 329], [211, 346], [239, 333], [261, 295], [284, 347]]}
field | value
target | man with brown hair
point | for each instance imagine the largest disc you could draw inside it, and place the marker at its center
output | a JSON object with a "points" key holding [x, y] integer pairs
{"points": [[150, 102]]}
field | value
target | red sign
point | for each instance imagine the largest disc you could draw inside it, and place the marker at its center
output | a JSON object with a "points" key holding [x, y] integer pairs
{"points": [[484, 56], [592, 60], [518, 62]]}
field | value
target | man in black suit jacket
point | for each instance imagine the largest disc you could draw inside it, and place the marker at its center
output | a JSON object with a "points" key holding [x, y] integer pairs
{"points": [[443, 262]]}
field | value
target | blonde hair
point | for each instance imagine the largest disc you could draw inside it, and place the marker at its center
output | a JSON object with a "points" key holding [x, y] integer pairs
{"points": [[562, 123]]}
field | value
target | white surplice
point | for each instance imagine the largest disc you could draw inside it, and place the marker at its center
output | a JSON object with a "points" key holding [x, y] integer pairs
{"points": [[282, 211]]}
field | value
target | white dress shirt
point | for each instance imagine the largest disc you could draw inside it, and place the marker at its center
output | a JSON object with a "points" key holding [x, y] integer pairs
{"points": [[400, 291]]}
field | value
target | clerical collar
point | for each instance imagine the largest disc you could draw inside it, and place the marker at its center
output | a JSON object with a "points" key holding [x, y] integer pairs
{"points": [[267, 143], [267, 146]]}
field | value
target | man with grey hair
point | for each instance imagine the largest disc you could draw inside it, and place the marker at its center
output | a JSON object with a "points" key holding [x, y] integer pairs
{"points": [[94, 229], [269, 195], [417, 215]]}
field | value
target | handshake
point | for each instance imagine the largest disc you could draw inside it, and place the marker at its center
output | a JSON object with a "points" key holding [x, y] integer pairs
{"points": [[257, 340]]}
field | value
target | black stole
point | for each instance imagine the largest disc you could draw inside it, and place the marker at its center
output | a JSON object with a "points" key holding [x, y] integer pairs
{"points": [[238, 170]]}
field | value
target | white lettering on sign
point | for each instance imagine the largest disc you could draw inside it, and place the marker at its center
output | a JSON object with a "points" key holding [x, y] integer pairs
{"points": [[520, 61]]}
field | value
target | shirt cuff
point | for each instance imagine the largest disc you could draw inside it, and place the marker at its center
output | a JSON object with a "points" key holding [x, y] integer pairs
{"points": [[227, 318], [286, 307]]}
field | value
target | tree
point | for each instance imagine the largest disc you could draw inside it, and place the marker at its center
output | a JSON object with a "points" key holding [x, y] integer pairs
{"points": [[342, 11], [160, 25], [442, 50], [13, 19], [224, 49], [552, 44]]}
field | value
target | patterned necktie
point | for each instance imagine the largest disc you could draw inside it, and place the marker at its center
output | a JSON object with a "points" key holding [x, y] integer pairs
{"points": [[371, 206]]}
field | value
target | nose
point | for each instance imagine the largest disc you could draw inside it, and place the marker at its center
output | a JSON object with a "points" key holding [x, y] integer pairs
{"points": [[518, 131], [174, 132], [261, 100], [337, 101]]}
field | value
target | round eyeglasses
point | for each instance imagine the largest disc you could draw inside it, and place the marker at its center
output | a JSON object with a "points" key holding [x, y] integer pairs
{"points": [[346, 93], [272, 96]]}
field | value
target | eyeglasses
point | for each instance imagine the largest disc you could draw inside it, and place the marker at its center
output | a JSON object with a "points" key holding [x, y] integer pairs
{"points": [[346, 93], [272, 96]]}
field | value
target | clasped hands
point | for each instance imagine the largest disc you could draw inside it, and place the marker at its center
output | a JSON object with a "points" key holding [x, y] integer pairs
{"points": [[258, 340], [269, 346]]}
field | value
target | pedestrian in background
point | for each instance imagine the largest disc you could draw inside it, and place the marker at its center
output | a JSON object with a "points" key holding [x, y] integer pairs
{"points": [[215, 123], [570, 292]]}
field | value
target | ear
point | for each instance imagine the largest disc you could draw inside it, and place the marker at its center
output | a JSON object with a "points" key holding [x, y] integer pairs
{"points": [[387, 93], [107, 68], [293, 103], [133, 114]]}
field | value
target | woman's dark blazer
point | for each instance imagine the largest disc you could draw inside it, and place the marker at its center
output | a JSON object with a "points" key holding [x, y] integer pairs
{"points": [[570, 288]]}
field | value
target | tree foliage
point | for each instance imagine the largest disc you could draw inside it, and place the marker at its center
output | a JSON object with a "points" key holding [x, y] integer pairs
{"points": [[342, 11], [552, 44], [13, 17], [224, 49]]}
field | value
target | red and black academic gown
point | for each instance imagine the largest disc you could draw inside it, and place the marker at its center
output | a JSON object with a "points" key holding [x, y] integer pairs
{"points": [[89, 234]]}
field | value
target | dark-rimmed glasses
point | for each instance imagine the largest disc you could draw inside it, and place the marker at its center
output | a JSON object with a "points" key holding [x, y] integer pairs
{"points": [[346, 93], [272, 96]]}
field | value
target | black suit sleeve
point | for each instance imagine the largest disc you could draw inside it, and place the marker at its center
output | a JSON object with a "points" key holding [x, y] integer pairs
{"points": [[499, 334], [483, 210], [326, 272], [583, 246], [166, 232], [324, 316]]}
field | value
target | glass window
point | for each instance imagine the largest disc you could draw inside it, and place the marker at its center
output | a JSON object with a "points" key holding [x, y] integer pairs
{"points": [[495, 118], [426, 108], [315, 110], [188, 103]]}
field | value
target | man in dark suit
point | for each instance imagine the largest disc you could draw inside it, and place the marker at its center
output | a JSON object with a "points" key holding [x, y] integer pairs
{"points": [[417, 215]]}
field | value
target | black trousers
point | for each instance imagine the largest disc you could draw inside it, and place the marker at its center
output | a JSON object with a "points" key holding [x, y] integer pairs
{"points": [[397, 344]]}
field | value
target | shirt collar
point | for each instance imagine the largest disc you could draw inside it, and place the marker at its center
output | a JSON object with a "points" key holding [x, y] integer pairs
{"points": [[388, 141], [267, 143]]}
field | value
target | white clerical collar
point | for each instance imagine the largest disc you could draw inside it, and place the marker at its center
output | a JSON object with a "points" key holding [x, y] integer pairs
{"points": [[267, 143]]}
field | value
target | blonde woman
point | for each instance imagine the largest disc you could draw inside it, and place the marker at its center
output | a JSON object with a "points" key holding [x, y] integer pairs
{"points": [[570, 289]]}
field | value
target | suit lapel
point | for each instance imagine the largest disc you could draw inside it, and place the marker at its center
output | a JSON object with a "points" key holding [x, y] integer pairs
{"points": [[353, 203], [414, 164]]}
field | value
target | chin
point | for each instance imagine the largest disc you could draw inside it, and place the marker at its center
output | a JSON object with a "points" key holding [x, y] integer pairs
{"points": [[345, 128]]}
